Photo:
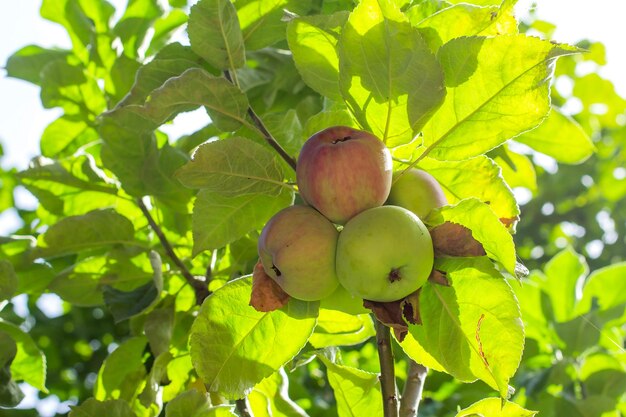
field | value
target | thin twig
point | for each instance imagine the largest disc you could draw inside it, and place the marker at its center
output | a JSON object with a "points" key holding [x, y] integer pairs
{"points": [[199, 287], [412, 394], [242, 407], [258, 123], [387, 372]]}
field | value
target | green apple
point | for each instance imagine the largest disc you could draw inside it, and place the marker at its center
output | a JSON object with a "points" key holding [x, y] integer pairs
{"points": [[416, 190], [297, 248], [384, 254], [342, 300], [342, 171]]}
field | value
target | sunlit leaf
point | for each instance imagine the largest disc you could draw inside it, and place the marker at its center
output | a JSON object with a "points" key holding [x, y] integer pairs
{"points": [[517, 169], [28, 62], [563, 273], [95, 229], [94, 408], [313, 43], [357, 392], [218, 220], [556, 132], [486, 228], [194, 404], [481, 110], [335, 328], [270, 398], [246, 345], [135, 23], [476, 177], [215, 34], [389, 78], [470, 335], [604, 287], [495, 407], [122, 372], [29, 364]]}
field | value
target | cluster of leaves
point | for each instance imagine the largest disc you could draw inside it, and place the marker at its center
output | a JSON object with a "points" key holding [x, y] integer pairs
{"points": [[127, 220]]}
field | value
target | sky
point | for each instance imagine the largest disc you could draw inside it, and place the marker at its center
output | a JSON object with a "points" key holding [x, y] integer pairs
{"points": [[22, 119]]}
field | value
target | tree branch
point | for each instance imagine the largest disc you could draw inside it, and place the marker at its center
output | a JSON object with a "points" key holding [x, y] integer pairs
{"points": [[412, 394], [242, 407], [387, 372], [199, 287], [258, 123]]}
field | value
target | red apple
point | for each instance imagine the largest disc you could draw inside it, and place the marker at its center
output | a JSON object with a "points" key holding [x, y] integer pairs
{"points": [[297, 248], [342, 171]]}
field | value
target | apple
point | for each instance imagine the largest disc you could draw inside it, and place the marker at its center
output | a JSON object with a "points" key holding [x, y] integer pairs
{"points": [[297, 248], [342, 171], [342, 300], [417, 191], [384, 254]]}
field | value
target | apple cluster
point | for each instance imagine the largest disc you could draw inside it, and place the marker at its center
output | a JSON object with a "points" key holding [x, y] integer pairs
{"points": [[346, 245]]}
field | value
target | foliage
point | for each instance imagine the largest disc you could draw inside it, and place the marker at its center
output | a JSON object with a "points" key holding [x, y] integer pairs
{"points": [[149, 239]]}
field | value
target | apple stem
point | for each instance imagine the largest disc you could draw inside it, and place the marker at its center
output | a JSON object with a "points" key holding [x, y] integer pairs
{"points": [[412, 394], [387, 371], [258, 123]]}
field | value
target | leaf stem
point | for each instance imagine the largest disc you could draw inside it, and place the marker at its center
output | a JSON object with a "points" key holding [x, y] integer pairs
{"points": [[242, 407], [199, 287], [412, 394], [387, 372], [258, 123]]}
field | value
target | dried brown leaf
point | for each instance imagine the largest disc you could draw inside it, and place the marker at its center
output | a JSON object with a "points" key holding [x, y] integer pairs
{"points": [[451, 239], [266, 295]]}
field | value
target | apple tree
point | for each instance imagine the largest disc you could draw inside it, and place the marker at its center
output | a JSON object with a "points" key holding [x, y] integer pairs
{"points": [[157, 242]]}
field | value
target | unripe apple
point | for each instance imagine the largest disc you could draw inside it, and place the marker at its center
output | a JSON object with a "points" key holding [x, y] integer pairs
{"points": [[384, 254], [417, 191], [342, 171], [297, 248]]}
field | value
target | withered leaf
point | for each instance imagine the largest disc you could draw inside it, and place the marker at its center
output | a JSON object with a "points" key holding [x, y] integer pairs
{"points": [[451, 239], [439, 277], [395, 314], [266, 295]]}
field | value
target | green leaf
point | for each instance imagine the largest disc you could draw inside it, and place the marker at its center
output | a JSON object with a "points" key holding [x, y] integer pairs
{"points": [[486, 228], [225, 103], [467, 20], [470, 335], [126, 304], [158, 327], [137, 20], [269, 398], [335, 328], [94, 408], [476, 177], [95, 229], [65, 135], [563, 273], [245, 345], [233, 167], [415, 351], [313, 43], [605, 288], [556, 132], [164, 28], [10, 393], [465, 125], [262, 21], [215, 34], [323, 119], [218, 220], [389, 78], [29, 364], [194, 404], [517, 169], [149, 397], [123, 371], [8, 281], [495, 407], [28, 62], [357, 392]]}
